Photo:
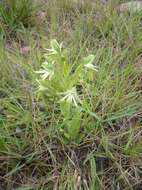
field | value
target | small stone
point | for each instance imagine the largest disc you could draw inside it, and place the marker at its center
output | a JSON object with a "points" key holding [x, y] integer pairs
{"points": [[18, 130]]}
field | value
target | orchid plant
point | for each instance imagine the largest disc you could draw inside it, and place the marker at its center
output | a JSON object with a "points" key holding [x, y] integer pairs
{"points": [[59, 80]]}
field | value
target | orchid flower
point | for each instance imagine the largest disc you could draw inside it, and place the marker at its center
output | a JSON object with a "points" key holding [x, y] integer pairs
{"points": [[71, 96]]}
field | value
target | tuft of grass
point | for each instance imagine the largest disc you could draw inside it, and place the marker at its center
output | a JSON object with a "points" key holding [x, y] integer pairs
{"points": [[16, 15]]}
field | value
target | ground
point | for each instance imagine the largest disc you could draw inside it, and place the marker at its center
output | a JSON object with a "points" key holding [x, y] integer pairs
{"points": [[46, 144]]}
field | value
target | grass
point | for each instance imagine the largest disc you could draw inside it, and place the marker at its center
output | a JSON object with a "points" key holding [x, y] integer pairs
{"points": [[35, 151], [16, 15]]}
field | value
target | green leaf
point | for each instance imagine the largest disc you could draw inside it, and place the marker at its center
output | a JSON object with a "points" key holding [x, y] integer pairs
{"points": [[25, 188], [65, 109], [56, 46], [89, 59], [74, 125]]}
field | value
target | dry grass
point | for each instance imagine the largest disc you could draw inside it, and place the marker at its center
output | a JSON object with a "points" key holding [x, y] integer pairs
{"points": [[33, 152]]}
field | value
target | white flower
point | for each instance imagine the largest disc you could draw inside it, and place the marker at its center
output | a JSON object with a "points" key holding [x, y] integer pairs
{"points": [[88, 62], [71, 96], [55, 47], [91, 66], [46, 72]]}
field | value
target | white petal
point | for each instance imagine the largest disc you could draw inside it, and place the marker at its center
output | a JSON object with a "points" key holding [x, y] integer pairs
{"points": [[91, 66], [75, 103], [39, 72]]}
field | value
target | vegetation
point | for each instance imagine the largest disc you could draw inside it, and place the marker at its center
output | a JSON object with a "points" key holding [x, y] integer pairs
{"points": [[15, 15], [70, 96]]}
